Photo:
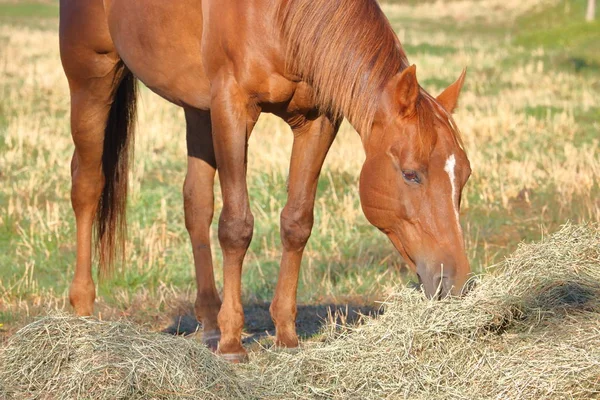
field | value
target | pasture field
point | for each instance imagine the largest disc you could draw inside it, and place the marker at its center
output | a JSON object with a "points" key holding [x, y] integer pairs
{"points": [[529, 115]]}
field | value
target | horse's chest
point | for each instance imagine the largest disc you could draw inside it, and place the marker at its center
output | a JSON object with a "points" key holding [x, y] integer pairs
{"points": [[273, 89]]}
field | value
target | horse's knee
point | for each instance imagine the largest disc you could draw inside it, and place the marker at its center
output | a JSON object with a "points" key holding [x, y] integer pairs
{"points": [[296, 227], [235, 229]]}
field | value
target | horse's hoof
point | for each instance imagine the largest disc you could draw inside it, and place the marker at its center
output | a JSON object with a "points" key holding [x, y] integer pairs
{"points": [[234, 358], [211, 339]]}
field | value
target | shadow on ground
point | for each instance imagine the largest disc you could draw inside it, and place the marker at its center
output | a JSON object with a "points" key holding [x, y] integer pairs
{"points": [[309, 321]]}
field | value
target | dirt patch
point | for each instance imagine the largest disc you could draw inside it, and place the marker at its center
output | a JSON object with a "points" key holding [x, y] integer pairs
{"points": [[310, 320]]}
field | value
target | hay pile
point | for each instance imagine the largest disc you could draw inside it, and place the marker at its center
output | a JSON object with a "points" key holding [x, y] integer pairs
{"points": [[64, 357], [530, 330]]}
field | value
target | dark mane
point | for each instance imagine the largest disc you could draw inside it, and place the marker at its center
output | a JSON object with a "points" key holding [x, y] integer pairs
{"points": [[346, 49]]}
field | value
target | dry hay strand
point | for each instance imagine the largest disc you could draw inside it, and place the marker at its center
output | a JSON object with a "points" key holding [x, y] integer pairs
{"points": [[65, 357], [529, 330]]}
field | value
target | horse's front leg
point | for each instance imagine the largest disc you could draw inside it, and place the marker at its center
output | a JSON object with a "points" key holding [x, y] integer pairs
{"points": [[312, 140], [199, 204], [232, 123]]}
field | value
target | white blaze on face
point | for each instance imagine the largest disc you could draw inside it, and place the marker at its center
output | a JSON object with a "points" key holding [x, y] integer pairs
{"points": [[450, 168]]}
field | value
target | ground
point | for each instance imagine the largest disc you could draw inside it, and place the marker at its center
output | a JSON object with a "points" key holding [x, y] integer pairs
{"points": [[529, 115]]}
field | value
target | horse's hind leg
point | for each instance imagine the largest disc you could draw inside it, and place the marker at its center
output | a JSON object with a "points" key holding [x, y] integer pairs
{"points": [[199, 206], [90, 105], [312, 140], [90, 64]]}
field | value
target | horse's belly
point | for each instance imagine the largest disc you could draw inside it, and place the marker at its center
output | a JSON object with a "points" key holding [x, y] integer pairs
{"points": [[160, 42], [186, 89]]}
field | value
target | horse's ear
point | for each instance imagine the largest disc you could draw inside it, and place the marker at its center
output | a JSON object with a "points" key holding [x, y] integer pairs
{"points": [[449, 97], [407, 91]]}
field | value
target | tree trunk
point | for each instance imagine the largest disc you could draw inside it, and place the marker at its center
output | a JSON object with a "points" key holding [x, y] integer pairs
{"points": [[591, 10]]}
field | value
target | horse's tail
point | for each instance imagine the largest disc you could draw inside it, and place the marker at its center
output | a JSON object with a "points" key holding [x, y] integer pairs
{"points": [[111, 224]]}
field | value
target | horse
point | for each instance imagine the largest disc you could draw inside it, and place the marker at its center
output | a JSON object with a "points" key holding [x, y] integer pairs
{"points": [[310, 62]]}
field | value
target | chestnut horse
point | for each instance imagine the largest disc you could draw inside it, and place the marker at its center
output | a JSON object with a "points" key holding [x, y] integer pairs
{"points": [[311, 62]]}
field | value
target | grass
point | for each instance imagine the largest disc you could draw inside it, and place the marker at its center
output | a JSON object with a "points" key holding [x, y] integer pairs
{"points": [[562, 29], [529, 123], [528, 331], [29, 10], [39, 14]]}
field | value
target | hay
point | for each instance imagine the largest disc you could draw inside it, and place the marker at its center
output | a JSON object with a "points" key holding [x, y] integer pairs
{"points": [[529, 330], [64, 357]]}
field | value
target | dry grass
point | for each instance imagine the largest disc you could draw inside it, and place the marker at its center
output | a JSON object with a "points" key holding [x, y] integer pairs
{"points": [[465, 10], [534, 159], [74, 358], [531, 330]]}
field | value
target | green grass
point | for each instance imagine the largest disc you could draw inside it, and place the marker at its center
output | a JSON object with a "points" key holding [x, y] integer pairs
{"points": [[563, 31], [40, 15], [27, 10], [530, 122]]}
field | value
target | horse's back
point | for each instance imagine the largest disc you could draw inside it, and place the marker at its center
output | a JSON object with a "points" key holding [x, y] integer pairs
{"points": [[178, 48]]}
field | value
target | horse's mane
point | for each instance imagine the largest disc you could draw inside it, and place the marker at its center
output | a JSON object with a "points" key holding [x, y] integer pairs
{"points": [[346, 49], [430, 111]]}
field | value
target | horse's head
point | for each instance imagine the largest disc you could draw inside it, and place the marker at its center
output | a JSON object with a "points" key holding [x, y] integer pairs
{"points": [[412, 179]]}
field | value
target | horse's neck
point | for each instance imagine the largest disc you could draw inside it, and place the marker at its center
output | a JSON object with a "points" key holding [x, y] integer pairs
{"points": [[346, 49]]}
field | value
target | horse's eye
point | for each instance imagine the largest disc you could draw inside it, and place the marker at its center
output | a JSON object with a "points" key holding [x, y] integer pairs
{"points": [[411, 176]]}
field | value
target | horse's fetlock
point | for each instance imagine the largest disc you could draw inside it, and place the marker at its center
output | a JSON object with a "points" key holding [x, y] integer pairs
{"points": [[280, 314]]}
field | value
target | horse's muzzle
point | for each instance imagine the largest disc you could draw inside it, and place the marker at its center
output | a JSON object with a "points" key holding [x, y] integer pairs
{"points": [[436, 285]]}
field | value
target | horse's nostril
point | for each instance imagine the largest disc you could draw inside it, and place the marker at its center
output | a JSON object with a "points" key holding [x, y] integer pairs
{"points": [[469, 286], [443, 286], [436, 285]]}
